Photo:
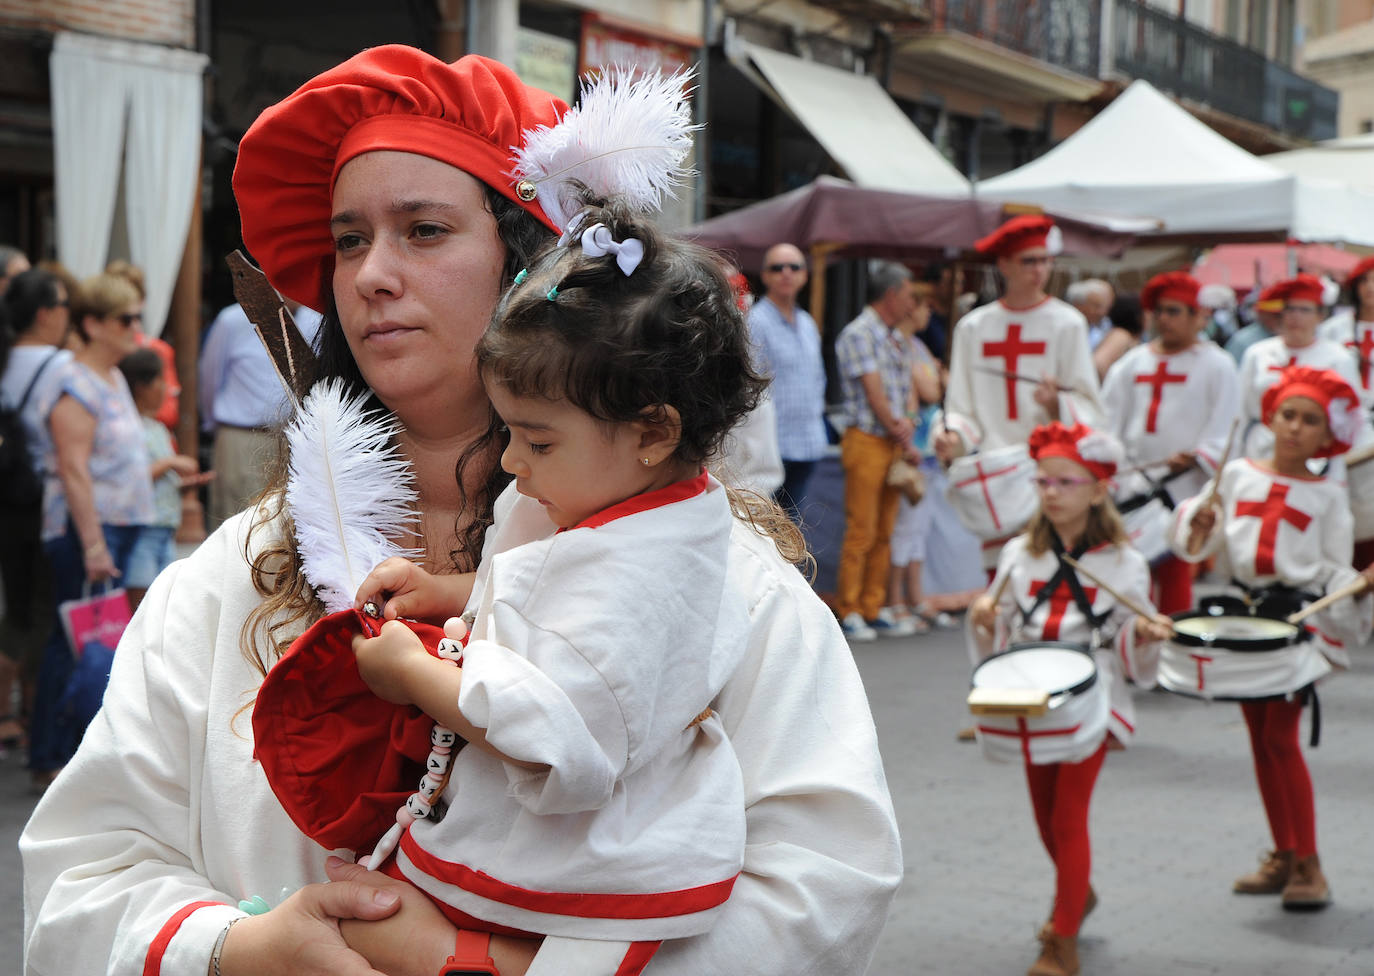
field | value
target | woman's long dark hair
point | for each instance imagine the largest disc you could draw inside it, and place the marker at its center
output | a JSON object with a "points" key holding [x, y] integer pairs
{"points": [[28, 294]]}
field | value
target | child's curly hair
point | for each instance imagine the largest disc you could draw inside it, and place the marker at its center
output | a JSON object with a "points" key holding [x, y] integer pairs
{"points": [[577, 327]]}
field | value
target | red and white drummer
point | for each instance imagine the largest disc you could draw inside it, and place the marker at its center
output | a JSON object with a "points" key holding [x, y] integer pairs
{"points": [[1017, 363], [1171, 402], [1287, 533], [1037, 596]]}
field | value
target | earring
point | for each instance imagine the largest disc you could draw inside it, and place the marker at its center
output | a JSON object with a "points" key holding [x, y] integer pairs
{"points": [[645, 461]]}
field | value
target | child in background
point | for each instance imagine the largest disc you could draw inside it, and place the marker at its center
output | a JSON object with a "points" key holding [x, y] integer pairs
{"points": [[155, 548], [1044, 599], [598, 797], [1288, 534]]}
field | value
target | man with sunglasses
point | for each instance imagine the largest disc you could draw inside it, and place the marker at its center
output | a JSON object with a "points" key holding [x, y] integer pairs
{"points": [[1171, 403], [1015, 364], [789, 350]]}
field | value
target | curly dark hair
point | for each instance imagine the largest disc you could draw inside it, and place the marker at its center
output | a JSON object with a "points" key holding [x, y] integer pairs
{"points": [[612, 344]]}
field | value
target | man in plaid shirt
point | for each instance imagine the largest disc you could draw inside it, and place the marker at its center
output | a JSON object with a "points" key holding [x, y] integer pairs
{"points": [[875, 365]]}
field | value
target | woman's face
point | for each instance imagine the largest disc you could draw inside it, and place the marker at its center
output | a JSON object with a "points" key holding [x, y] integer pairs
{"points": [[115, 335], [1364, 294], [418, 269]]}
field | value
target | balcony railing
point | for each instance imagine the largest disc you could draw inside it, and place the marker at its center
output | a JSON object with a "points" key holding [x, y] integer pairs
{"points": [[1190, 62], [1064, 33]]}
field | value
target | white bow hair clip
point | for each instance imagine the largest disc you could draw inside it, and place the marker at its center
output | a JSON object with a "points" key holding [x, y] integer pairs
{"points": [[597, 242]]}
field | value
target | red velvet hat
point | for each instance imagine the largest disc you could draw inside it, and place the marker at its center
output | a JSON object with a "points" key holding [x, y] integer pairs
{"points": [[1096, 450], [1174, 286], [471, 114], [1018, 234], [1303, 288], [1330, 391], [339, 759], [1359, 271], [1269, 300]]}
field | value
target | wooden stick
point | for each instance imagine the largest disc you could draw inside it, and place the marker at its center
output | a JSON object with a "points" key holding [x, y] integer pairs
{"points": [[1225, 456], [1353, 588], [1120, 598], [996, 598], [1022, 377], [1359, 455]]}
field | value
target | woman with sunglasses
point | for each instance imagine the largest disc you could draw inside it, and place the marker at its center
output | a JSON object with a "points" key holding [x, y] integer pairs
{"points": [[97, 498]]}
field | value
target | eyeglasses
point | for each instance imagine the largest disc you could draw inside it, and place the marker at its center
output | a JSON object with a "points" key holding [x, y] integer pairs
{"points": [[776, 268], [1031, 261], [129, 318], [1063, 484]]}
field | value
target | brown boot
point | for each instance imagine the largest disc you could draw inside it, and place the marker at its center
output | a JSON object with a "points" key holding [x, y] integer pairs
{"points": [[1307, 890], [1058, 955], [1270, 878], [1089, 904]]}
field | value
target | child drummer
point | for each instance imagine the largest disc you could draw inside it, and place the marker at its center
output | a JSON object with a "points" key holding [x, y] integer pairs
{"points": [[1287, 535], [1036, 595]]}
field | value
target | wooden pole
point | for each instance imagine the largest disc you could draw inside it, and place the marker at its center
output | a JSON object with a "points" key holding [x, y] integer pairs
{"points": [[183, 321], [820, 253]]}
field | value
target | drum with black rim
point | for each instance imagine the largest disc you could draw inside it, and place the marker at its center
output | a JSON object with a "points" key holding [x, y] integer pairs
{"points": [[1039, 702], [1223, 651]]}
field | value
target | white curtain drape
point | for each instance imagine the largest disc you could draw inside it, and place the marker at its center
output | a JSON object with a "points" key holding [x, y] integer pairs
{"points": [[160, 89]]}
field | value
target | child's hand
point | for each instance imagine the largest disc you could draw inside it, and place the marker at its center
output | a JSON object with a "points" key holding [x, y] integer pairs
{"points": [[983, 613], [1150, 629], [1368, 575], [184, 464], [1047, 396], [392, 662], [1204, 520], [400, 588]]}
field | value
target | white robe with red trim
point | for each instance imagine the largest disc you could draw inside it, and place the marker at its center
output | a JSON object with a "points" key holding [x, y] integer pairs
{"points": [[1357, 338], [1293, 531], [988, 410], [1259, 370], [592, 651], [1116, 652], [1159, 405], [163, 809]]}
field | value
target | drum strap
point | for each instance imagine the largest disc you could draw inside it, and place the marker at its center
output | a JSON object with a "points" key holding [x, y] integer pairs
{"points": [[1286, 599], [1066, 575], [1308, 696], [1157, 490]]}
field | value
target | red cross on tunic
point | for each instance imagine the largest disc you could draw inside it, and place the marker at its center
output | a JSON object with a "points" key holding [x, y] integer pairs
{"points": [[1059, 601], [1157, 381], [1364, 349], [982, 478], [1271, 512], [1025, 733], [1280, 367], [1012, 349]]}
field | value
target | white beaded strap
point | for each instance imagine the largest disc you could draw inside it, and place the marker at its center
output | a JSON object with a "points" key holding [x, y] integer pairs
{"points": [[218, 950]]}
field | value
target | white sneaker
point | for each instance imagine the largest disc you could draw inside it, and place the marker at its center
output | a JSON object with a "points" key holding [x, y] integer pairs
{"points": [[856, 628], [888, 624]]}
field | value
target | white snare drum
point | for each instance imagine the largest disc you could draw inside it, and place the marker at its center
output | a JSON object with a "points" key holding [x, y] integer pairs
{"points": [[1236, 657], [1041, 703], [992, 491], [1360, 482]]}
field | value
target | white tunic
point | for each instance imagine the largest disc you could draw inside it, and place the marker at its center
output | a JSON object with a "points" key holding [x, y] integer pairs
{"points": [[1292, 531], [1259, 370], [1114, 646], [592, 652], [1159, 405], [988, 410], [1357, 338], [163, 805]]}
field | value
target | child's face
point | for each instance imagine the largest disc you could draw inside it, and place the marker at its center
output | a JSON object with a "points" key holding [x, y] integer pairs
{"points": [[1176, 324], [1067, 490], [149, 397], [1300, 428], [571, 463]]}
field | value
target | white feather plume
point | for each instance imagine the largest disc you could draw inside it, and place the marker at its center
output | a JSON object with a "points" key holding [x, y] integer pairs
{"points": [[349, 490], [628, 136]]}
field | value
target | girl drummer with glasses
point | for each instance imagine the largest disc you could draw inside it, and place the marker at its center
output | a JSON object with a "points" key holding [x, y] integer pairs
{"points": [[1036, 596], [1287, 536]]}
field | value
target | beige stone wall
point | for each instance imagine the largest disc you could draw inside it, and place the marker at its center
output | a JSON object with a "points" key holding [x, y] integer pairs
{"points": [[154, 21]]}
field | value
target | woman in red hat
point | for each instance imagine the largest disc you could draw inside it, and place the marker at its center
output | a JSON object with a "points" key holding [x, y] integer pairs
{"points": [[1038, 596], [1286, 534], [386, 192]]}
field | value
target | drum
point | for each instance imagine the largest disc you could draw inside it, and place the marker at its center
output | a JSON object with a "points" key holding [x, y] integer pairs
{"points": [[1221, 652], [1040, 703], [1148, 527], [1360, 482], [992, 491]]}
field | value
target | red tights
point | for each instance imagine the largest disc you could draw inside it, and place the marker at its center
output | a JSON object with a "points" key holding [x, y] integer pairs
{"points": [[1173, 585], [1284, 782], [1060, 794]]}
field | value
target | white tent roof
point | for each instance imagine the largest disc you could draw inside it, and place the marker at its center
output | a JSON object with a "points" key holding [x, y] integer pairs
{"points": [[1145, 156], [1344, 160]]}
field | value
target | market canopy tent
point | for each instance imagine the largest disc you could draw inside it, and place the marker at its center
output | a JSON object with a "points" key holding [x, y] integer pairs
{"points": [[1145, 156], [1343, 160], [1245, 266]]}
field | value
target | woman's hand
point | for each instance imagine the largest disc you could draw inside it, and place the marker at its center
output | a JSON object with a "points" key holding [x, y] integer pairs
{"points": [[1150, 629], [99, 564], [403, 589], [392, 662], [302, 936], [983, 613], [418, 938]]}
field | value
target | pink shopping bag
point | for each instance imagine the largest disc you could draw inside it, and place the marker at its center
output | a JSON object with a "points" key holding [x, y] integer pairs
{"points": [[95, 619]]}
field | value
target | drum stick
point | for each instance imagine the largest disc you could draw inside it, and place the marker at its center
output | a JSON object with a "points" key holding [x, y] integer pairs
{"points": [[1120, 598], [1359, 456], [1225, 456], [1023, 378], [1353, 588], [996, 598]]}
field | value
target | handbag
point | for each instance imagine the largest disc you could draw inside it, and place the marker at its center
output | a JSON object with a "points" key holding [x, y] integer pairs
{"points": [[907, 478], [93, 624]]}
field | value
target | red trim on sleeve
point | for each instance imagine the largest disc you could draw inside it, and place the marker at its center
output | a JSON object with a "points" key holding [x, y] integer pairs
{"points": [[678, 491], [152, 963], [576, 904], [637, 958]]}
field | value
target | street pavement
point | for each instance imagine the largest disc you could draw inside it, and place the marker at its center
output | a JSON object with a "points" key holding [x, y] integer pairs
{"points": [[1175, 818]]}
